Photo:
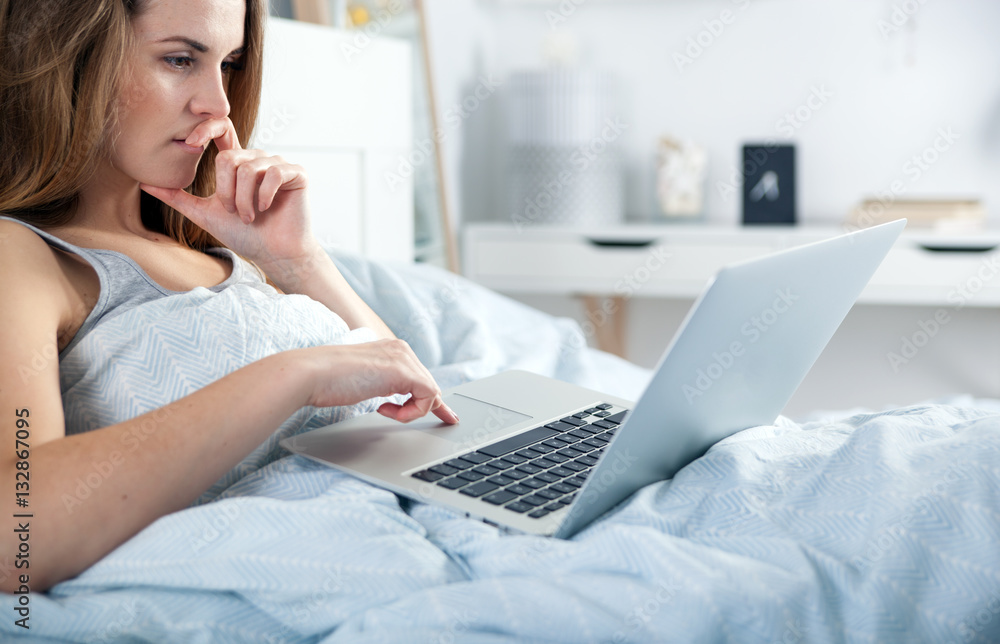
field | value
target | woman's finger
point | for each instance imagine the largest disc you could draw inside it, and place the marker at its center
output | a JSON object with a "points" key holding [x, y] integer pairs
{"points": [[226, 165], [221, 130], [249, 175], [279, 177], [192, 207]]}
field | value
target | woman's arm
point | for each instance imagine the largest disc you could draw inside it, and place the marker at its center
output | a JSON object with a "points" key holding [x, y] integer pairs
{"points": [[316, 275]]}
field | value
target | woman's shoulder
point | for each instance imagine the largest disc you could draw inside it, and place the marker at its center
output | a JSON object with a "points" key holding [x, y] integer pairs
{"points": [[24, 254]]}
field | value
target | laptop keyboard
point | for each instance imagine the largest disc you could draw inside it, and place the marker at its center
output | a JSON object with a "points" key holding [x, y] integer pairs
{"points": [[537, 471]]}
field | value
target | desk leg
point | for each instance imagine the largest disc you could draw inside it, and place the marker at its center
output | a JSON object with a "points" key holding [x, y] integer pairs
{"points": [[607, 321]]}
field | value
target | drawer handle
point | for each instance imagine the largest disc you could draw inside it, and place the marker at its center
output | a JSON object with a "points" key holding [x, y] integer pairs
{"points": [[621, 243], [971, 248]]}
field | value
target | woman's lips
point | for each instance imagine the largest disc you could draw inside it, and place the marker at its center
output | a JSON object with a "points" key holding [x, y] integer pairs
{"points": [[190, 149]]}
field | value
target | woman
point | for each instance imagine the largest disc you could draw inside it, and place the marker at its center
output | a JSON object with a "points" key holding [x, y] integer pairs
{"points": [[111, 108]]}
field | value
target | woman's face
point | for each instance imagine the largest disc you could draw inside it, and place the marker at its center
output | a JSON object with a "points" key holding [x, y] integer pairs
{"points": [[185, 51]]}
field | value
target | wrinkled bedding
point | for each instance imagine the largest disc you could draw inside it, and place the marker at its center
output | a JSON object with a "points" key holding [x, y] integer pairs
{"points": [[875, 527]]}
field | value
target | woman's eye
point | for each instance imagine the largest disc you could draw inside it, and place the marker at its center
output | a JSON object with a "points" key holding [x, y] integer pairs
{"points": [[229, 66], [179, 62]]}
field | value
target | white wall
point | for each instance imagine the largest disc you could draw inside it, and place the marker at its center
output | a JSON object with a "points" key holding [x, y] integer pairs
{"points": [[889, 95]]}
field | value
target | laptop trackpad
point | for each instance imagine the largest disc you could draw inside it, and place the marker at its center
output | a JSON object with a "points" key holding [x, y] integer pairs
{"points": [[478, 420]]}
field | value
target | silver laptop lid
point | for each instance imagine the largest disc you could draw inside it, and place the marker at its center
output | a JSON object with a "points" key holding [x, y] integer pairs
{"points": [[740, 354]]}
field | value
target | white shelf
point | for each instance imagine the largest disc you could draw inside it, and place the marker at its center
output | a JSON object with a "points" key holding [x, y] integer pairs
{"points": [[668, 261]]}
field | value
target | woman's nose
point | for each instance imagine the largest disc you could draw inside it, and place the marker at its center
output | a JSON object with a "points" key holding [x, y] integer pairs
{"points": [[211, 99]]}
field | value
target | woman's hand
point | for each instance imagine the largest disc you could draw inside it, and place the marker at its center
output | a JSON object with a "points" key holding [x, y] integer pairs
{"points": [[259, 208], [347, 374]]}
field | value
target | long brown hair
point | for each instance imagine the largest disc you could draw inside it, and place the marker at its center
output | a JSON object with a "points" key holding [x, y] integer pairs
{"points": [[61, 68]]}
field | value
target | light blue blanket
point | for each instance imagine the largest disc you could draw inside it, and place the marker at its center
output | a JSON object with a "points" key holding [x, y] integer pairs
{"points": [[874, 528]]}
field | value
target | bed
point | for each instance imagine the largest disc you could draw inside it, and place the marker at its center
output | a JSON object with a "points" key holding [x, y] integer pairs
{"points": [[851, 526], [862, 527]]}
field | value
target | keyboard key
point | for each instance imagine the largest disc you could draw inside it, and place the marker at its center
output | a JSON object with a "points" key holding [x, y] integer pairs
{"points": [[569, 439], [591, 442], [542, 447], [562, 487], [427, 475], [589, 461], [561, 471], [579, 433], [515, 443], [551, 495], [544, 463], [592, 410], [528, 454], [517, 506], [571, 465], [604, 406], [617, 418], [500, 464], [575, 482], [479, 489], [561, 426], [485, 470], [514, 474], [583, 447], [453, 483], [583, 475], [607, 436], [499, 498], [459, 463], [569, 452], [575, 422], [515, 459], [555, 456], [612, 431], [528, 468], [552, 507], [475, 457], [519, 489], [469, 475], [602, 438], [445, 470], [501, 480], [590, 430], [581, 414], [538, 514], [534, 500], [533, 484], [555, 443], [605, 423], [547, 477]]}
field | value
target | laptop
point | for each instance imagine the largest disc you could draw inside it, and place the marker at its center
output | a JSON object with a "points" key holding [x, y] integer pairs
{"points": [[540, 456]]}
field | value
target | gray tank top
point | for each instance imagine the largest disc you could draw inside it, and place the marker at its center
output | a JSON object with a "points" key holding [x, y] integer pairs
{"points": [[124, 285]]}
